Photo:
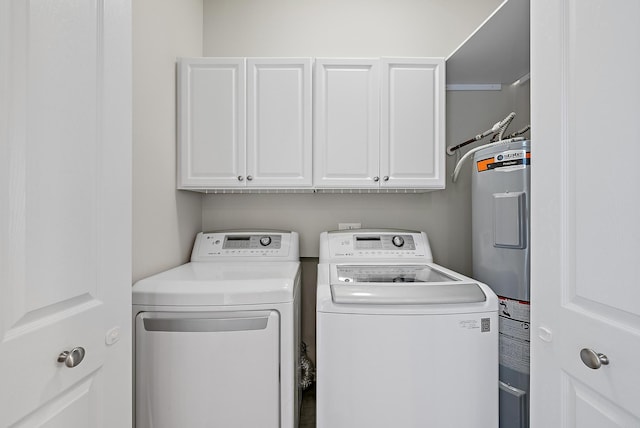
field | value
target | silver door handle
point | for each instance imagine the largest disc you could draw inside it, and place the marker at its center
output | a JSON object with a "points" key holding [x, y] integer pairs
{"points": [[593, 359], [376, 178], [386, 178], [249, 177], [240, 178], [72, 358]]}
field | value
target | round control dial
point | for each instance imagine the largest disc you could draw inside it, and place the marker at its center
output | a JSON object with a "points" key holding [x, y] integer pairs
{"points": [[398, 241], [265, 240]]}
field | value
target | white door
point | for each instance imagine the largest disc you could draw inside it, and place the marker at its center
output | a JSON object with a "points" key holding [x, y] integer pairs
{"points": [[211, 123], [279, 122], [346, 112], [412, 123], [65, 208], [585, 201]]}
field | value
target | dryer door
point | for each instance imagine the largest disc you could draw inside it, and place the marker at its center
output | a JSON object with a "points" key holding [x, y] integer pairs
{"points": [[196, 369]]}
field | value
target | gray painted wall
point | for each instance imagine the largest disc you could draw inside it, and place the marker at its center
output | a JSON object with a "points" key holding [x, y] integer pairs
{"points": [[165, 220], [359, 29], [356, 28]]}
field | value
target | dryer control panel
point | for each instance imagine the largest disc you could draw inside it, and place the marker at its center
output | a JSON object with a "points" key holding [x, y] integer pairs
{"points": [[267, 245]]}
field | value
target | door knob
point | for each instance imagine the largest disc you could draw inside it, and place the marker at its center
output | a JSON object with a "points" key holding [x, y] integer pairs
{"points": [[386, 178], [249, 177], [376, 178], [593, 359], [240, 178], [72, 358]]}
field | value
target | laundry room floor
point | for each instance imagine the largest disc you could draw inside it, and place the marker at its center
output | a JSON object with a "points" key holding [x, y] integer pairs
{"points": [[308, 411]]}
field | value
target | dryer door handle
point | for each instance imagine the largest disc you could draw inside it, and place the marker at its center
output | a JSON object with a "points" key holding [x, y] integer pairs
{"points": [[206, 323]]}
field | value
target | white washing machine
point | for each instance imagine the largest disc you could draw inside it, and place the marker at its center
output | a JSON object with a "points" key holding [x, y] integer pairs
{"points": [[217, 339], [401, 341]]}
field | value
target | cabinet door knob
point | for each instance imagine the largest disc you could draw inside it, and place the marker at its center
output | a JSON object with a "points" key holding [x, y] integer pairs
{"points": [[593, 359], [240, 178], [249, 177], [72, 358], [385, 178], [376, 178]]}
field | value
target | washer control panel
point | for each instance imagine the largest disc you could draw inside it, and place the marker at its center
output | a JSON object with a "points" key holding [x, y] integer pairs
{"points": [[376, 244], [400, 242], [212, 246]]}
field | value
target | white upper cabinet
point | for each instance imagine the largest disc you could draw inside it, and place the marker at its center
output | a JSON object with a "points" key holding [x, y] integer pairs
{"points": [[379, 123], [211, 125], [279, 122], [244, 123], [412, 123], [346, 123]]}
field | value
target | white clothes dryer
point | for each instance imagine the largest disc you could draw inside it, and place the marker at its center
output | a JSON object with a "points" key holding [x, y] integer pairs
{"points": [[401, 341], [217, 339]]}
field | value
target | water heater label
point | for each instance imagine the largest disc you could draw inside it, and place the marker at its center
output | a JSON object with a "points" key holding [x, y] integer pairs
{"points": [[514, 335], [510, 159]]}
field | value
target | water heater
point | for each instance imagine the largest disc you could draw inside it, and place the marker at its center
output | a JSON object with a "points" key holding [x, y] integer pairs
{"points": [[501, 184]]}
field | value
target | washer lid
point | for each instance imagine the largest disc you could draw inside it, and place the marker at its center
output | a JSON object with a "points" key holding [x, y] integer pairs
{"points": [[400, 284], [213, 284]]}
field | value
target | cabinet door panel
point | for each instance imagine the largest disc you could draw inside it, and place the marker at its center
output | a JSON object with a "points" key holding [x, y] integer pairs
{"points": [[346, 113], [211, 122], [279, 122], [412, 123]]}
